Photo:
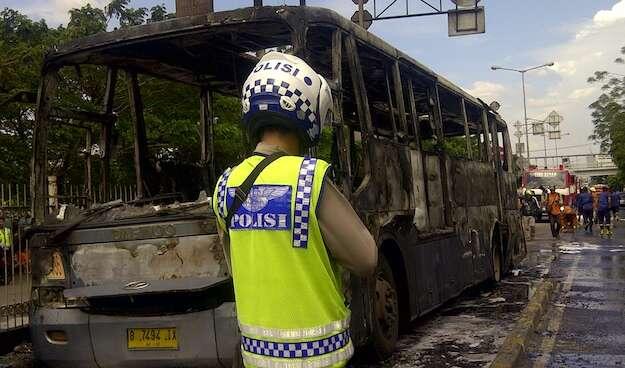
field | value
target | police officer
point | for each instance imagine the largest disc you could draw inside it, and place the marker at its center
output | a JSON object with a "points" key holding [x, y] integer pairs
{"points": [[288, 233]]}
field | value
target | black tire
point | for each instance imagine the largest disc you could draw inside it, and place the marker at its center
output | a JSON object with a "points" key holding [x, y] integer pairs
{"points": [[385, 311]]}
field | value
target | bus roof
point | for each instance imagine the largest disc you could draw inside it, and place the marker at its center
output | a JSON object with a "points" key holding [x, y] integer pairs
{"points": [[160, 48]]}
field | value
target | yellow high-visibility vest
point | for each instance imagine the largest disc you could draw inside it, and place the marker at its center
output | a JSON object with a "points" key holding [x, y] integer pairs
{"points": [[289, 299], [6, 238]]}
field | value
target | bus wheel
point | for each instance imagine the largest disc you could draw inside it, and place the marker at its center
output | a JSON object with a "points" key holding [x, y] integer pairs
{"points": [[386, 311], [496, 261]]}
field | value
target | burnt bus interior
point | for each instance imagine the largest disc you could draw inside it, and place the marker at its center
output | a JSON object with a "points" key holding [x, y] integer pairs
{"points": [[427, 166]]}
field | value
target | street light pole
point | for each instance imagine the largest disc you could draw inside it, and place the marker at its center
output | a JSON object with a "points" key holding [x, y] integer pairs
{"points": [[527, 135], [522, 72]]}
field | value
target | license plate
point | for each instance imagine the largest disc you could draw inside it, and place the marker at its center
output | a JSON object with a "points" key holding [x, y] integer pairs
{"points": [[152, 338]]}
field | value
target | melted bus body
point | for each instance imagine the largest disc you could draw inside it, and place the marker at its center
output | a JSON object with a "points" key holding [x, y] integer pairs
{"points": [[426, 166]]}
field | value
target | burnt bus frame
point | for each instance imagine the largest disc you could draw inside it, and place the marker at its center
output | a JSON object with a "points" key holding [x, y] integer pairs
{"points": [[418, 254]]}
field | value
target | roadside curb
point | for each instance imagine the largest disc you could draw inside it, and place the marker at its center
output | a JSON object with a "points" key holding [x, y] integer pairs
{"points": [[514, 345]]}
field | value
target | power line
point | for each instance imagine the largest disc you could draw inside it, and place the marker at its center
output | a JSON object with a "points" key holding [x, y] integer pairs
{"points": [[564, 147]]}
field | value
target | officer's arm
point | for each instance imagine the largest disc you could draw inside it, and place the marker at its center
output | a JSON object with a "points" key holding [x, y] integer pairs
{"points": [[225, 242], [221, 231], [346, 237]]}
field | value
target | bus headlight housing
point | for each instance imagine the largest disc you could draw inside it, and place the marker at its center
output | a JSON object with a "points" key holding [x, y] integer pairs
{"points": [[48, 267]]}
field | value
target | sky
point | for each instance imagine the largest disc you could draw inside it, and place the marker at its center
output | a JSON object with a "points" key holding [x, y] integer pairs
{"points": [[579, 36]]}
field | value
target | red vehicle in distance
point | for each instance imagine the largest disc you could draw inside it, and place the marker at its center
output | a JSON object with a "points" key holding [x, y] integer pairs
{"points": [[539, 180]]}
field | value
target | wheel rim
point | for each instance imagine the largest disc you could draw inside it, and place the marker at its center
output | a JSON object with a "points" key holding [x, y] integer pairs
{"points": [[386, 307]]}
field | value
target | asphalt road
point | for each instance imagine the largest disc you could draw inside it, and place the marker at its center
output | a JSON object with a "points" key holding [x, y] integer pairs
{"points": [[584, 327], [468, 331], [585, 323]]}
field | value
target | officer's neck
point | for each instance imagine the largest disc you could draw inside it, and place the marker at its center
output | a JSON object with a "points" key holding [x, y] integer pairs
{"points": [[281, 141]]}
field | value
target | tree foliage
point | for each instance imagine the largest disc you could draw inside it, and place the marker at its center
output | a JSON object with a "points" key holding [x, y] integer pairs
{"points": [[22, 46], [171, 109], [608, 115]]}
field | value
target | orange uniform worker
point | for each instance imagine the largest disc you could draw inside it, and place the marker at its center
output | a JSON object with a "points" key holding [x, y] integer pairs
{"points": [[554, 203]]}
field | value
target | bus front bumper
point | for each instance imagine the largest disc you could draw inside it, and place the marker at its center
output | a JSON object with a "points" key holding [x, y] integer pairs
{"points": [[99, 341]]}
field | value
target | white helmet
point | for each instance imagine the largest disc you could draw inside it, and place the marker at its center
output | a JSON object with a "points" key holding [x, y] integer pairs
{"points": [[283, 90]]}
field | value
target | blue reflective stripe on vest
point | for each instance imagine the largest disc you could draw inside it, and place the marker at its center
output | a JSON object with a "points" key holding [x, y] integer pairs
{"points": [[221, 192], [306, 349], [302, 202], [267, 207]]}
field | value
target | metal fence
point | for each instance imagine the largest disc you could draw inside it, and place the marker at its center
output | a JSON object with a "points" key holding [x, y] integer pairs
{"points": [[15, 217], [15, 256]]}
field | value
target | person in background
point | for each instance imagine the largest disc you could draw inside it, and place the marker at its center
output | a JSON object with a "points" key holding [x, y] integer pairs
{"points": [[554, 204], [616, 202], [595, 203], [529, 209], [603, 213], [6, 236], [585, 206]]}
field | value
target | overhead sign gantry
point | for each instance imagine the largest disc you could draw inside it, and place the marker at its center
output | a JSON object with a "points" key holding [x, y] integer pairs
{"points": [[464, 17]]}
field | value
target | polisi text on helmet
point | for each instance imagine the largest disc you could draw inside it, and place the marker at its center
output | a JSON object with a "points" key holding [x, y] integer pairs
{"points": [[277, 65]]}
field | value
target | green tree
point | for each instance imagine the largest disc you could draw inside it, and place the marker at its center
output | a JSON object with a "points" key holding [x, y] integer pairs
{"points": [[116, 8], [23, 43], [158, 13], [126, 15], [133, 17], [608, 115], [85, 21]]}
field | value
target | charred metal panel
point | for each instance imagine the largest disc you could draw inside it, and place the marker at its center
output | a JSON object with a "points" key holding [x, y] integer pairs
{"points": [[422, 274], [149, 259], [450, 203], [460, 181], [451, 272], [475, 211], [516, 236], [106, 130], [510, 202], [435, 194], [140, 137], [39, 174], [390, 186], [482, 183], [421, 217], [460, 174], [482, 220]]}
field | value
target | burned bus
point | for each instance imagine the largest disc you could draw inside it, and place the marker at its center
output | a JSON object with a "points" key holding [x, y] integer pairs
{"points": [[143, 282]]}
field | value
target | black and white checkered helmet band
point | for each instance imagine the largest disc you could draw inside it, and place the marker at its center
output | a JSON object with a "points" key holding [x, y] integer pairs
{"points": [[303, 105], [285, 84]]}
